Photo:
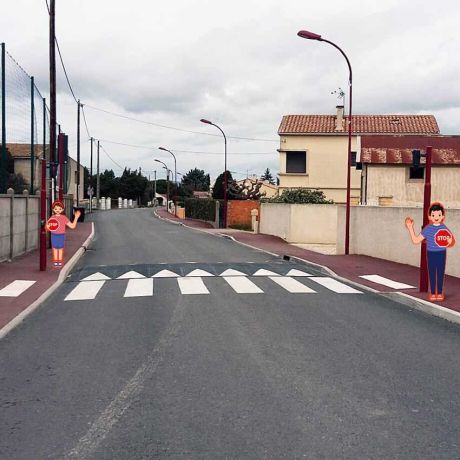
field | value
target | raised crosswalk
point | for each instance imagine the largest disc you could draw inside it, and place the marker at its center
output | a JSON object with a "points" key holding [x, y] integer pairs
{"points": [[195, 283]]}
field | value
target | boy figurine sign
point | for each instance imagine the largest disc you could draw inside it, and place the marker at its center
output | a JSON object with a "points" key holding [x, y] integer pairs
{"points": [[57, 224], [438, 238]]}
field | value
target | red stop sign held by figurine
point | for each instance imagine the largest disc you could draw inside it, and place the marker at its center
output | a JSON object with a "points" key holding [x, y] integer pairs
{"points": [[53, 224], [441, 237]]}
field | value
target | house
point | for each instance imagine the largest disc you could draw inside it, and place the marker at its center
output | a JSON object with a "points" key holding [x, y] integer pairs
{"points": [[314, 148], [22, 165], [388, 177]]}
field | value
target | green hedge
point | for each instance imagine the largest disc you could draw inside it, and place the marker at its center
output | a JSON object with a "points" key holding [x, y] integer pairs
{"points": [[200, 208]]}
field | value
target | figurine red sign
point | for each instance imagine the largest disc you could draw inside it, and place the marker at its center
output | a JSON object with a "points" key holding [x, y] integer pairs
{"points": [[441, 237]]}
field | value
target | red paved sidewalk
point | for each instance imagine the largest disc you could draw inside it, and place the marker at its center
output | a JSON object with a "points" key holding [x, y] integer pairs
{"points": [[26, 267], [349, 267]]}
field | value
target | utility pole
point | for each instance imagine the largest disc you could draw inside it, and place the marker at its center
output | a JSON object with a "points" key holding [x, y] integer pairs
{"points": [[3, 158], [98, 179], [52, 56], [91, 178], [155, 188], [78, 152], [32, 134]]}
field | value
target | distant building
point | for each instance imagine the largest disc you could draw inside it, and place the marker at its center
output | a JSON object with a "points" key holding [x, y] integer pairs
{"points": [[313, 148], [22, 165], [389, 179]]}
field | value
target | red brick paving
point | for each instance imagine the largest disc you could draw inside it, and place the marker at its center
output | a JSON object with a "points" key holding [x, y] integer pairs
{"points": [[26, 267]]}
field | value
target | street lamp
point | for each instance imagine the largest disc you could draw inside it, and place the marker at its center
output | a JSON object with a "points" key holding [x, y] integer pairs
{"points": [[312, 36], [167, 183], [175, 162], [203, 120]]}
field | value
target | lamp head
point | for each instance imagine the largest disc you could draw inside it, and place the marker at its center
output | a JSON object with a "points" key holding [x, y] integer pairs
{"points": [[162, 148], [309, 35], [203, 120]]}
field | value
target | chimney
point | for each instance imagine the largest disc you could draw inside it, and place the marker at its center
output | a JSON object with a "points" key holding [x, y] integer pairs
{"points": [[339, 118]]}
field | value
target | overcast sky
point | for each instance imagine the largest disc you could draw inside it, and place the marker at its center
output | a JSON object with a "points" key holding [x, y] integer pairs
{"points": [[237, 63]]}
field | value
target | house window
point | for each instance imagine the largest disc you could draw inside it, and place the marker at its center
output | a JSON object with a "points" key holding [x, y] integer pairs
{"points": [[296, 162], [416, 173], [353, 158]]}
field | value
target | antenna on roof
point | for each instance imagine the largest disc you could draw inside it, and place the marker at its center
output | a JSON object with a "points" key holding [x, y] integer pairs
{"points": [[340, 93]]}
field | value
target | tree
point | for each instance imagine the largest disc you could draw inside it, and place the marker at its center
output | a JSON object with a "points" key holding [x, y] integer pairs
{"points": [[218, 190], [267, 175], [301, 195], [196, 180]]}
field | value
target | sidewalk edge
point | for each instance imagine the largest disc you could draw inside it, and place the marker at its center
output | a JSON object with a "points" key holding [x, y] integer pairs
{"points": [[424, 306], [62, 276]]}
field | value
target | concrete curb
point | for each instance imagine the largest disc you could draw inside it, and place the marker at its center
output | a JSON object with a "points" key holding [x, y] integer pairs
{"points": [[62, 276]]}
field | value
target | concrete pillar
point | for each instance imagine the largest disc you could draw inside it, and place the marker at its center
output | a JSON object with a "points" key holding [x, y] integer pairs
{"points": [[108, 203], [130, 203], [254, 221], [120, 202], [125, 203]]}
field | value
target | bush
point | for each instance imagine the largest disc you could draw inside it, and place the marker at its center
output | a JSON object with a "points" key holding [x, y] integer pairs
{"points": [[241, 226], [199, 208], [300, 195]]}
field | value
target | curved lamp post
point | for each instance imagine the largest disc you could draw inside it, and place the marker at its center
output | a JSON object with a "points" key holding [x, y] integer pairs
{"points": [[175, 162], [167, 183], [312, 36], [203, 120]]}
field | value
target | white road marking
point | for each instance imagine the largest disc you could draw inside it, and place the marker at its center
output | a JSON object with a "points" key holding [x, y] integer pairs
{"points": [[16, 288], [297, 273], [263, 272], [232, 272], [130, 275], [334, 285], [242, 285], [291, 285], [96, 277], [85, 290], [139, 288], [387, 282], [192, 285], [165, 274], [199, 272]]}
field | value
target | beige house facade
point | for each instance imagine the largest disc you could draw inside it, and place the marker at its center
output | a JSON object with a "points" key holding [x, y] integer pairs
{"points": [[389, 179], [313, 149]]}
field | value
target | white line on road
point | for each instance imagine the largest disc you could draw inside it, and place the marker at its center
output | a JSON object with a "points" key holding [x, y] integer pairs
{"points": [[165, 274], [85, 290], [295, 272], [16, 288], [232, 272], [139, 288], [291, 285], [129, 275], [334, 285], [386, 282], [242, 285], [96, 277], [263, 272], [192, 285], [199, 272]]}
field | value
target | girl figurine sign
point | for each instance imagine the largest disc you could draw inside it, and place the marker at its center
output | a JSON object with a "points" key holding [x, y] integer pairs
{"points": [[438, 238], [56, 225]]}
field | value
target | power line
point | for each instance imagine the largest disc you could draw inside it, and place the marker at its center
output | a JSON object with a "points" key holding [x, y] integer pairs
{"points": [[185, 151], [138, 120], [110, 158], [84, 119]]}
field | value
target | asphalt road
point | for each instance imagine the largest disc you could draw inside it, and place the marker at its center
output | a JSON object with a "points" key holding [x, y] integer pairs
{"points": [[133, 374]]}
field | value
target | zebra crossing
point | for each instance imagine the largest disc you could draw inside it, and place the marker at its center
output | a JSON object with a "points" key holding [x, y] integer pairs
{"points": [[242, 279]]}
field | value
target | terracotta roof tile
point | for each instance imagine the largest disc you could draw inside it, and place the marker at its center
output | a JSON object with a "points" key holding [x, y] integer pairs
{"points": [[362, 124]]}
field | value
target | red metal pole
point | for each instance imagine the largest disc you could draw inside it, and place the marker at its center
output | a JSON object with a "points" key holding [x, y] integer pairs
{"points": [[61, 150], [426, 206], [43, 216]]}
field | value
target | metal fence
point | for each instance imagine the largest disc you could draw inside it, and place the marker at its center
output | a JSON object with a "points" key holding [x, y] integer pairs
{"points": [[24, 127]]}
